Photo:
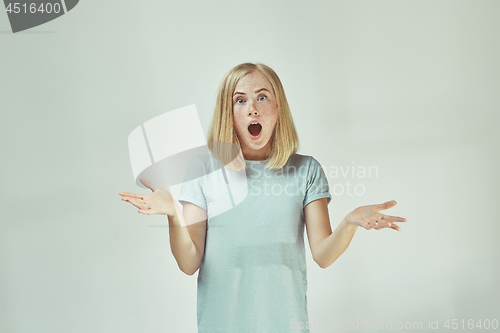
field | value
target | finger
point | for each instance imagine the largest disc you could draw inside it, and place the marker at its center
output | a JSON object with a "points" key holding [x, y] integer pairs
{"points": [[149, 184], [395, 227], [385, 205], [139, 203], [134, 195], [382, 225], [393, 218], [147, 211]]}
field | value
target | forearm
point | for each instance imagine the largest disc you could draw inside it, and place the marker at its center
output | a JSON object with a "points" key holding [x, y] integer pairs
{"points": [[330, 248], [185, 252]]}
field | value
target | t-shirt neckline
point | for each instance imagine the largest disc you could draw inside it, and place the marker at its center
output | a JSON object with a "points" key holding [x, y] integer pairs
{"points": [[255, 161]]}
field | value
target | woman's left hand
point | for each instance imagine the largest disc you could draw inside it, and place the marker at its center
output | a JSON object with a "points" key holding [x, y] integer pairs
{"points": [[369, 217]]}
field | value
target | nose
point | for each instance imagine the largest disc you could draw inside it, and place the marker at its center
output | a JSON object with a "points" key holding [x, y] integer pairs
{"points": [[252, 110]]}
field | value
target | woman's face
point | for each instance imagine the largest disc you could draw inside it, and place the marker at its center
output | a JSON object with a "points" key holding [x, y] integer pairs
{"points": [[254, 101]]}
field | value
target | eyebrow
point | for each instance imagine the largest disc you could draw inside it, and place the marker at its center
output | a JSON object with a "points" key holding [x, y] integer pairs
{"points": [[257, 91]]}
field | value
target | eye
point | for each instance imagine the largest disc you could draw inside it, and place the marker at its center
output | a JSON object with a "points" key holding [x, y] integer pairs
{"points": [[261, 98], [238, 100]]}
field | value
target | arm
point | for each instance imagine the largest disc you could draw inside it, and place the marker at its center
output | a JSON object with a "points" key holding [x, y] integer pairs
{"points": [[187, 229], [188, 243], [326, 246]]}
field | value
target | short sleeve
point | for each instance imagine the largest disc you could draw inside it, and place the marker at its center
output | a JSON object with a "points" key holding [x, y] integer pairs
{"points": [[192, 187], [317, 184]]}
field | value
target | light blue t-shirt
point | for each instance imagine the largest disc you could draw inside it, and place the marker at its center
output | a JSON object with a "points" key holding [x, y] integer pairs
{"points": [[252, 277]]}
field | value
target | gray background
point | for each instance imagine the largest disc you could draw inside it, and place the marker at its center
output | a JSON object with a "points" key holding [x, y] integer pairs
{"points": [[411, 87]]}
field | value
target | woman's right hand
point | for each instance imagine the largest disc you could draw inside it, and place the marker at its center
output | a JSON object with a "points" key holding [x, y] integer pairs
{"points": [[158, 202]]}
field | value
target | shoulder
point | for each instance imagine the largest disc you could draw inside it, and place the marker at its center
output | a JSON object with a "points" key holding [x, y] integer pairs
{"points": [[197, 166], [304, 166], [300, 160]]}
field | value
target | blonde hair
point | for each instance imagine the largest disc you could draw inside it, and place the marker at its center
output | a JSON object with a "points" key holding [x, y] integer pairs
{"points": [[284, 140]]}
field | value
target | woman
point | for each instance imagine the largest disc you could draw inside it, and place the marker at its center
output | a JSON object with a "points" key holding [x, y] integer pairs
{"points": [[251, 258]]}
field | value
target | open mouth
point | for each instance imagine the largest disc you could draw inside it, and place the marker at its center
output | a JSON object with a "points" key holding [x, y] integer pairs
{"points": [[255, 129]]}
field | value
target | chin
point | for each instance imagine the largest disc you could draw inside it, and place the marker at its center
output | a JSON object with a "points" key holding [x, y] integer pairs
{"points": [[257, 145]]}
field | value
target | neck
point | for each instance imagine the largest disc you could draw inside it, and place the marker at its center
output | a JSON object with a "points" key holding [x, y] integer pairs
{"points": [[256, 154]]}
